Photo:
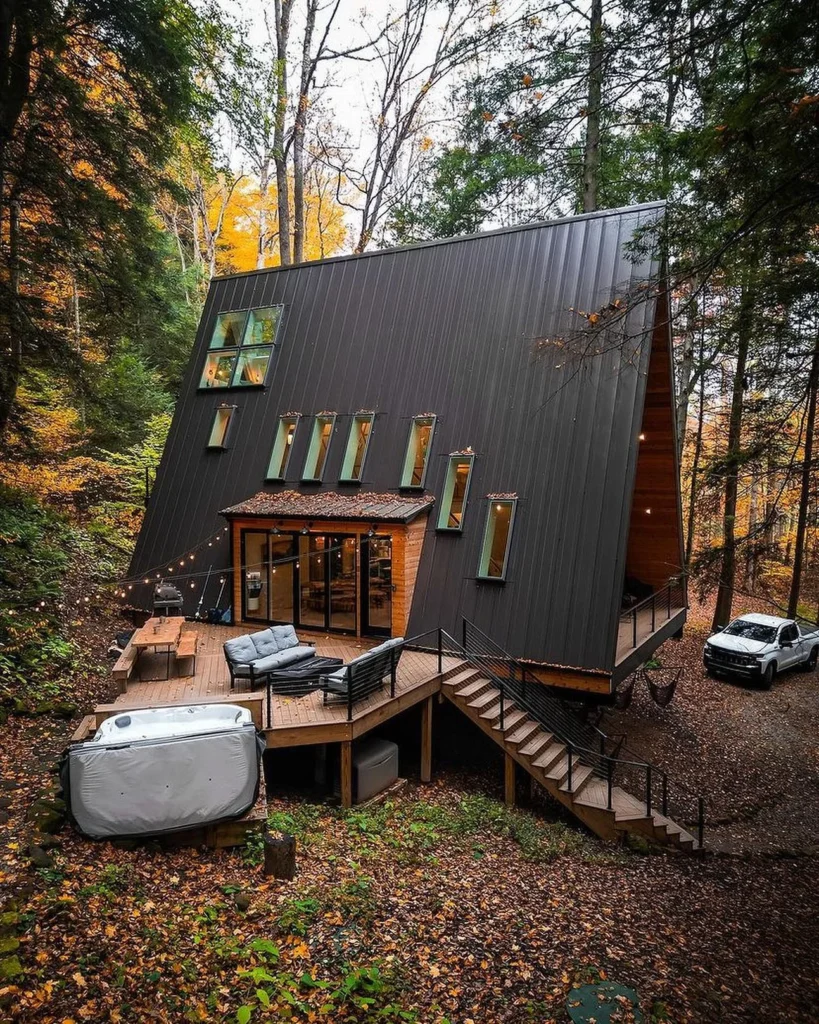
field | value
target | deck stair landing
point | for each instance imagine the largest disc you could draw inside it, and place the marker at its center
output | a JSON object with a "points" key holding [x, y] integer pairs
{"points": [[546, 759]]}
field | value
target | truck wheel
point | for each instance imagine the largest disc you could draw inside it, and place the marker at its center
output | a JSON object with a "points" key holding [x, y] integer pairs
{"points": [[766, 682], [810, 664]]}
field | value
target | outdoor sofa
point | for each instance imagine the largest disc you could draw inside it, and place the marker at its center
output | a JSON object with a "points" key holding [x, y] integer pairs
{"points": [[364, 674], [255, 655]]}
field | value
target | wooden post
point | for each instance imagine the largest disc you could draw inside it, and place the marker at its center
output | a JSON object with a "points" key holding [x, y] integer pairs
{"points": [[347, 773], [509, 780], [279, 855], [426, 740]]}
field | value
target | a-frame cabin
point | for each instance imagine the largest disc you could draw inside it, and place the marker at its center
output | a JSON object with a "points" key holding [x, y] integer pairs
{"points": [[476, 428]]}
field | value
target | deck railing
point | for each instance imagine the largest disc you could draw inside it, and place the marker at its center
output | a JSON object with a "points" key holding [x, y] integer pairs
{"points": [[646, 617]]}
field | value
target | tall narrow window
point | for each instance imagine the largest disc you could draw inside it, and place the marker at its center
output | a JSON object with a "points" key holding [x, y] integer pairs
{"points": [[319, 445], [219, 430], [241, 348], [496, 538], [417, 457], [282, 447], [456, 489], [357, 443]]}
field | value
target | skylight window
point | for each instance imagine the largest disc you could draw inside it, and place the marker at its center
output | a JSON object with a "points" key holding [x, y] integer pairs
{"points": [[282, 447], [357, 444], [456, 490], [418, 446], [241, 348], [497, 538], [319, 446]]}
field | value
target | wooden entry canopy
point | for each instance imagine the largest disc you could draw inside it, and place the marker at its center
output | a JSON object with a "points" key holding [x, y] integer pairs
{"points": [[402, 519]]}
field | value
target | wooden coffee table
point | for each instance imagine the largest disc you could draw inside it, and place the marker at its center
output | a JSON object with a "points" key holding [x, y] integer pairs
{"points": [[164, 632]]}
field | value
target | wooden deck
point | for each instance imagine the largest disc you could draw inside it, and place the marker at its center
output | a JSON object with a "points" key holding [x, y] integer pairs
{"points": [[296, 721], [646, 629]]}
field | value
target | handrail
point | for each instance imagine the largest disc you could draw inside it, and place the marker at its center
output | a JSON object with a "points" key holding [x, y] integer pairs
{"points": [[660, 601], [542, 707]]}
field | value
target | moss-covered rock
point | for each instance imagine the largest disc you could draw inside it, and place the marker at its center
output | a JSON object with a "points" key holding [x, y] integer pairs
{"points": [[9, 922], [10, 968], [8, 944], [39, 857], [47, 815], [56, 709]]}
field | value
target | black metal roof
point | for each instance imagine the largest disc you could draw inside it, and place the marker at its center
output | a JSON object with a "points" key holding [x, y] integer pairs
{"points": [[529, 344]]}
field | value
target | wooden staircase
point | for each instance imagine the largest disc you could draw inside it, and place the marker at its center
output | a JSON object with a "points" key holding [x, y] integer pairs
{"points": [[546, 759]]}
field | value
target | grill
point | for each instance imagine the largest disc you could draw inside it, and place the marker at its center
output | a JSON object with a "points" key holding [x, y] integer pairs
{"points": [[726, 658], [167, 599]]}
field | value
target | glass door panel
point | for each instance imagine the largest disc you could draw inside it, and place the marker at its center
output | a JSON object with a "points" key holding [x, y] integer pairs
{"points": [[254, 571], [312, 581], [377, 580], [343, 596], [282, 570]]}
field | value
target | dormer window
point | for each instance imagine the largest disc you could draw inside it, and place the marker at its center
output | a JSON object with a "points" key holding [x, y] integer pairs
{"points": [[221, 425], [497, 538], [418, 447], [357, 444], [241, 347], [282, 447], [319, 446], [456, 490]]}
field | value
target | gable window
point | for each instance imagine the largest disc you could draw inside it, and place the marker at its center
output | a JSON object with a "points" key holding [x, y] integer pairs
{"points": [[357, 443], [456, 489], [282, 447], [496, 539], [417, 457], [221, 424], [319, 446], [241, 348]]}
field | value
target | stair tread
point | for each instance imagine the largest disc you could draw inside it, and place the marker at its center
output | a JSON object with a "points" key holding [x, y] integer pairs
{"points": [[484, 699], [536, 743], [493, 712], [471, 688], [511, 719], [559, 768], [459, 678], [523, 732], [579, 776], [550, 755]]}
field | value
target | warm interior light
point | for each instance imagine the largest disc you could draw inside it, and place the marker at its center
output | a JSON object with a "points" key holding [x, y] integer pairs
{"points": [[642, 437], [648, 511]]}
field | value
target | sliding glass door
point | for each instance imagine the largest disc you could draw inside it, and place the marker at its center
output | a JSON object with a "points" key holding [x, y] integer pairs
{"points": [[376, 585]]}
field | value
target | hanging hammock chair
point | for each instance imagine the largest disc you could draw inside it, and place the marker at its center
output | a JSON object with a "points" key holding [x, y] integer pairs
{"points": [[662, 687]]}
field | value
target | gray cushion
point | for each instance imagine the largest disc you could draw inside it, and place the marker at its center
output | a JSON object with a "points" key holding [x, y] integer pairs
{"points": [[240, 650], [265, 643], [285, 637], [283, 658]]}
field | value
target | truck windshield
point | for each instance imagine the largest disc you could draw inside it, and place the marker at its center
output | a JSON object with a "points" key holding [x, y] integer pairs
{"points": [[752, 631]]}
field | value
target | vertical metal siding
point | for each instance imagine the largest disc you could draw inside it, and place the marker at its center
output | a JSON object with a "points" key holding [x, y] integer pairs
{"points": [[447, 328]]}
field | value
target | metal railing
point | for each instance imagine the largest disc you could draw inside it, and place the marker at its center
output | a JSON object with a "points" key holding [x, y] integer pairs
{"points": [[519, 687], [646, 617]]}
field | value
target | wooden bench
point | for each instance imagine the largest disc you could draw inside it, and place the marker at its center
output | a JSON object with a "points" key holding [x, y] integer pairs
{"points": [[124, 666], [186, 648]]}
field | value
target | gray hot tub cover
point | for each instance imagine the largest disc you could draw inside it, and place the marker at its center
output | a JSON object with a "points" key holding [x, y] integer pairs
{"points": [[152, 786]]}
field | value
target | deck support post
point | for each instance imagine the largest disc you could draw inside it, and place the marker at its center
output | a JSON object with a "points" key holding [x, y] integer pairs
{"points": [[346, 773], [509, 780], [426, 740]]}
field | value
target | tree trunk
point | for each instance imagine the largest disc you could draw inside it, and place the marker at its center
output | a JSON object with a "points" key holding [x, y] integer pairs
{"points": [[591, 149], [264, 185], [695, 468], [804, 494], [299, 128], [282, 12], [11, 350], [725, 587]]}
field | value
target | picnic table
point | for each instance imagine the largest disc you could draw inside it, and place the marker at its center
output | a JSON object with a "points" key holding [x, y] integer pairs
{"points": [[158, 632]]}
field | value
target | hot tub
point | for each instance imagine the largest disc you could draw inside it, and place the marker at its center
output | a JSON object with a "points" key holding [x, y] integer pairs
{"points": [[167, 723], [162, 770]]}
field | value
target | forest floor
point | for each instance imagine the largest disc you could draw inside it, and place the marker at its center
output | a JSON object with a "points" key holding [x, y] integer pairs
{"points": [[443, 905]]}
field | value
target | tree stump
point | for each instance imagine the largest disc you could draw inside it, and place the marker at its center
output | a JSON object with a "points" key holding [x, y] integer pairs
{"points": [[279, 855]]}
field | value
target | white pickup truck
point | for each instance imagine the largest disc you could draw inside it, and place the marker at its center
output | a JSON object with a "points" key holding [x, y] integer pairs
{"points": [[759, 647]]}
